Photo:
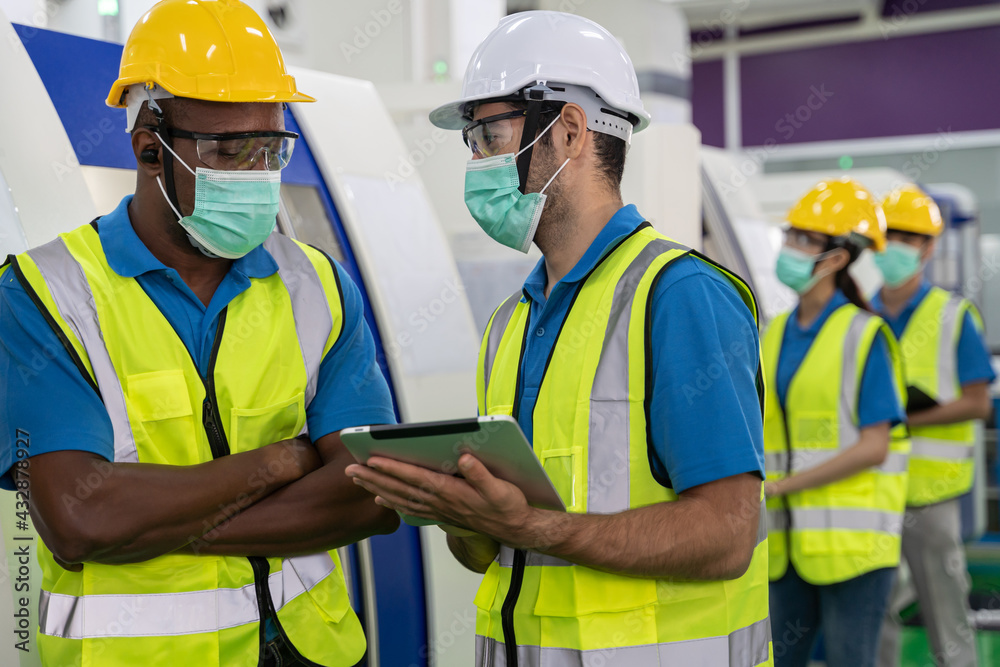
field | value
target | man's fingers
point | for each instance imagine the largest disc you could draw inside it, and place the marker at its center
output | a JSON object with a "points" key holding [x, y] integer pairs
{"points": [[475, 473], [380, 484], [411, 474], [402, 502]]}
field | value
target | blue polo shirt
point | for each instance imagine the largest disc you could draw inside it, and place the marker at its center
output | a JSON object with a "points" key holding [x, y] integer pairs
{"points": [[42, 392], [973, 358], [878, 399], [704, 411]]}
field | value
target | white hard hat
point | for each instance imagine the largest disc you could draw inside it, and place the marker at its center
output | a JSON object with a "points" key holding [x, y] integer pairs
{"points": [[561, 56]]}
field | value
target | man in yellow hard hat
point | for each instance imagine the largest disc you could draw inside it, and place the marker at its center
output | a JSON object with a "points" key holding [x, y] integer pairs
{"points": [[186, 476], [948, 374]]}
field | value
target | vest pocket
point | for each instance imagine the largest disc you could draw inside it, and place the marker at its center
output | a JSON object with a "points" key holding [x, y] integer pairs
{"points": [[814, 428], [162, 402], [562, 467], [329, 595], [251, 428]]}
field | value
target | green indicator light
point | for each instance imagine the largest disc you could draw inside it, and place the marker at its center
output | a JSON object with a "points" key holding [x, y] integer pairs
{"points": [[845, 162], [107, 7], [440, 67]]}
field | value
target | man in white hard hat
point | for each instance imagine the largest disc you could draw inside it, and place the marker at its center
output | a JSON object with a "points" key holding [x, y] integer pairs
{"points": [[630, 362]]}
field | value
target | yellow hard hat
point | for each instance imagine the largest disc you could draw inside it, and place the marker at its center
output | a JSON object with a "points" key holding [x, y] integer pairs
{"points": [[216, 50], [839, 208], [910, 209]]}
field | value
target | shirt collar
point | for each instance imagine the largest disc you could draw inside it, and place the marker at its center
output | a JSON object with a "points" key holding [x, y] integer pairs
{"points": [[910, 306], [836, 301], [622, 223], [129, 257]]}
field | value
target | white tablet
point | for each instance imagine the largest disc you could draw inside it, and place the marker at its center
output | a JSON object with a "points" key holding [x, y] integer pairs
{"points": [[497, 441]]}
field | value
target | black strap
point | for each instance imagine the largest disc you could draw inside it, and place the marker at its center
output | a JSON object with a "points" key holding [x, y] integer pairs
{"points": [[527, 137]]}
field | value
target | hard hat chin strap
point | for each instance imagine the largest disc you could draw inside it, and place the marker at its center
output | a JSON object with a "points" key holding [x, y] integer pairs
{"points": [[536, 100], [170, 189]]}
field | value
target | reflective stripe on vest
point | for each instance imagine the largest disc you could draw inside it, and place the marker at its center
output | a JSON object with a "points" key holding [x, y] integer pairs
{"points": [[745, 647], [71, 292], [175, 604], [946, 450], [895, 462], [947, 372], [590, 436], [820, 529], [95, 616], [890, 523], [313, 321], [941, 463]]}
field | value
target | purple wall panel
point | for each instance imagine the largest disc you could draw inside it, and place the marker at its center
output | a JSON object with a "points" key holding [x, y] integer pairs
{"points": [[910, 7], [918, 84], [707, 110]]}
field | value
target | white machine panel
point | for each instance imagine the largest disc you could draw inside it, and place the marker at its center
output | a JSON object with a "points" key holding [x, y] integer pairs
{"points": [[418, 297]]}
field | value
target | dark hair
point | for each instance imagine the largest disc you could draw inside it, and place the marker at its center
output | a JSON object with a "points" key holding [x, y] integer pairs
{"points": [[843, 279], [610, 151]]}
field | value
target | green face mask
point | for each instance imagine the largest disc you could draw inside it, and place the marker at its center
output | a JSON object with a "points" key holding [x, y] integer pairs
{"points": [[234, 211], [494, 199], [795, 269], [898, 263]]}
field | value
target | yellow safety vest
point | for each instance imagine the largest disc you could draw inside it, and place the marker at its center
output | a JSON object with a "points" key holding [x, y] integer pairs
{"points": [[187, 609], [842, 530], [590, 433], [941, 464]]}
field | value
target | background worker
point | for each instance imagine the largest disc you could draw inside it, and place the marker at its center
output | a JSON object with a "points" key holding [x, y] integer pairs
{"points": [[948, 371], [661, 559], [836, 480], [200, 367]]}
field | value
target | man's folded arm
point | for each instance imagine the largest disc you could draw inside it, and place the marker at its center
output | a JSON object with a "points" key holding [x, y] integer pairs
{"points": [[138, 511]]}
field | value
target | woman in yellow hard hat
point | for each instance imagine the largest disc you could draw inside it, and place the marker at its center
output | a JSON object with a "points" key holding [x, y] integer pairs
{"points": [[836, 480], [948, 374]]}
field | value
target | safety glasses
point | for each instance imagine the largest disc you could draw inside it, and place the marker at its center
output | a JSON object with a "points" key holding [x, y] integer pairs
{"points": [[491, 135], [803, 240], [242, 150]]}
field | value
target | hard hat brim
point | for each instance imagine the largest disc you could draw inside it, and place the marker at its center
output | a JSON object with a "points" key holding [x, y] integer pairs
{"points": [[451, 116], [115, 97]]}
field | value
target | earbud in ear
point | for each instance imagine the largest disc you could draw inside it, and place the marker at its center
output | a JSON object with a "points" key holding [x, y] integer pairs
{"points": [[149, 156]]}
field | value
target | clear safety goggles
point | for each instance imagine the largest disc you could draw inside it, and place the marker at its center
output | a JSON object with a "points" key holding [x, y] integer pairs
{"points": [[241, 151], [492, 135]]}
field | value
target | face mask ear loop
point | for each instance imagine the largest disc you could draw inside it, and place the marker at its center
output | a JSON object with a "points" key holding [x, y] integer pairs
{"points": [[542, 191], [170, 203], [170, 191]]}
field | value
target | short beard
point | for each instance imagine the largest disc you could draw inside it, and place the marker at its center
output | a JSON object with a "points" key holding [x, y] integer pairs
{"points": [[554, 224]]}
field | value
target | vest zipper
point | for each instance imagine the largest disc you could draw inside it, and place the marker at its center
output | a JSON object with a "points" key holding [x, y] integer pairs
{"points": [[520, 556], [211, 420], [210, 406], [507, 610]]}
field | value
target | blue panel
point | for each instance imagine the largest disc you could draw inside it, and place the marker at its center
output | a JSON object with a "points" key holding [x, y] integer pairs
{"points": [[399, 575], [77, 73]]}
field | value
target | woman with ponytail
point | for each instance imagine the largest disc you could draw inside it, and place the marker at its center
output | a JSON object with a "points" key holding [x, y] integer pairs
{"points": [[836, 478]]}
